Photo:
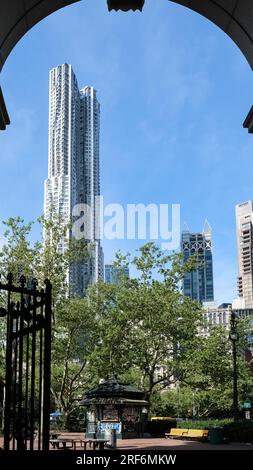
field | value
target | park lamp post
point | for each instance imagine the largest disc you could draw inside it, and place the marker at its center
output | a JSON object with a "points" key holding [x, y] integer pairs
{"points": [[233, 336]]}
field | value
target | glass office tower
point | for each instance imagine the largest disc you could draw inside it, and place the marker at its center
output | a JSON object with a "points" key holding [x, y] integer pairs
{"points": [[198, 284]]}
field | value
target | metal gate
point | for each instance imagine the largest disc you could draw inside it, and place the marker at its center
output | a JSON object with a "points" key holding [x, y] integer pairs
{"points": [[28, 355]]}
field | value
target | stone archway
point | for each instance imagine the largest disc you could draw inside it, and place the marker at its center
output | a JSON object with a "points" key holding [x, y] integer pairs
{"points": [[234, 17]]}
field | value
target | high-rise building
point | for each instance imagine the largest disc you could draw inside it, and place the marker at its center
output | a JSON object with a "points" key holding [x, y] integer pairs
{"points": [[73, 165], [244, 232], [198, 284], [112, 273]]}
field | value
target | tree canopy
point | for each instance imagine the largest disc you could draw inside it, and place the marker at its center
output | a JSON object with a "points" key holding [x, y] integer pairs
{"points": [[143, 330]]}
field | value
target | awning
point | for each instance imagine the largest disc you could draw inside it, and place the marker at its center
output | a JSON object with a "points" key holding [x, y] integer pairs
{"points": [[113, 401]]}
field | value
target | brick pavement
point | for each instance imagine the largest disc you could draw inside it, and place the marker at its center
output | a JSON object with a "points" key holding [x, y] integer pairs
{"points": [[162, 443]]}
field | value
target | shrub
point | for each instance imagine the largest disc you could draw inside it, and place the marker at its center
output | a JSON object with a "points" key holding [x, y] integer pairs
{"points": [[160, 427], [239, 431], [206, 424], [234, 431]]}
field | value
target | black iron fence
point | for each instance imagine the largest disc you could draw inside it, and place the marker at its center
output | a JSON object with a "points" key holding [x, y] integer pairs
{"points": [[27, 312]]}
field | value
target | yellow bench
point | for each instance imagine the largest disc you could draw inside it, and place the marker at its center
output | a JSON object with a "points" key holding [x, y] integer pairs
{"points": [[187, 433], [177, 432], [198, 433]]}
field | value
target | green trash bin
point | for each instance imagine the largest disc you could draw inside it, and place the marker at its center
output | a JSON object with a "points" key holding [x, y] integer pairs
{"points": [[215, 435]]}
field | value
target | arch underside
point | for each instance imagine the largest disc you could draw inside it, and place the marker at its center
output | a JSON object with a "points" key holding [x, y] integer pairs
{"points": [[235, 17]]}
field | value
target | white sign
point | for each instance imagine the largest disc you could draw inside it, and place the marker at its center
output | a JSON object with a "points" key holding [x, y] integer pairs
{"points": [[247, 414]]}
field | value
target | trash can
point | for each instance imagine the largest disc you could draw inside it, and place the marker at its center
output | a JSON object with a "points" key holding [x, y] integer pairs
{"points": [[215, 435], [107, 435], [113, 439]]}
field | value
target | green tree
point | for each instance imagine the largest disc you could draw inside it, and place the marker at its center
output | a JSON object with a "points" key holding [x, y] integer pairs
{"points": [[74, 337], [210, 378], [17, 255], [53, 262], [147, 327], [41, 260]]}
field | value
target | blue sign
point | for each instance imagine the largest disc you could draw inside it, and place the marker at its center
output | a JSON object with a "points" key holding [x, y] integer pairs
{"points": [[56, 414], [247, 405], [108, 426]]}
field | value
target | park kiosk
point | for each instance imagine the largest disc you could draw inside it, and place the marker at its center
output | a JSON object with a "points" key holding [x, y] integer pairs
{"points": [[115, 406]]}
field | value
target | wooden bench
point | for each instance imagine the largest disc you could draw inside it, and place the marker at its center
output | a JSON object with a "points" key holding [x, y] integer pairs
{"points": [[54, 434], [198, 433], [98, 443], [65, 443], [84, 443], [177, 433], [54, 443]]}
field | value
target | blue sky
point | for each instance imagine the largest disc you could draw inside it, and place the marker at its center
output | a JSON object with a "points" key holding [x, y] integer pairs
{"points": [[174, 92]]}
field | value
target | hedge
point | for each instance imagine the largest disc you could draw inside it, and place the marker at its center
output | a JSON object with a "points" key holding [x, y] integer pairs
{"points": [[234, 431], [207, 424], [239, 431]]}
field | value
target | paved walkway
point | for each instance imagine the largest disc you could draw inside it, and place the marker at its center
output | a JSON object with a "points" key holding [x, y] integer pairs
{"points": [[177, 444], [162, 443]]}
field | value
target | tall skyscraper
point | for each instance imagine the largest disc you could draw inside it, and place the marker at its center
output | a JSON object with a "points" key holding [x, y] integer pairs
{"points": [[112, 273], [244, 232], [73, 165], [198, 284]]}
